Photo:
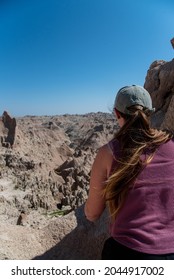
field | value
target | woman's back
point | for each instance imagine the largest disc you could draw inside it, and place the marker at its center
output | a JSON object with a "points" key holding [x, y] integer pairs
{"points": [[146, 220]]}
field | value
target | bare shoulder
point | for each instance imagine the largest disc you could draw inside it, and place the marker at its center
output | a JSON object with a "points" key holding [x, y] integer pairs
{"points": [[104, 152], [104, 158]]}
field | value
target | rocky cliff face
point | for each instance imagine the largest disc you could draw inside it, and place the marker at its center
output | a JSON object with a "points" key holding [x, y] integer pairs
{"points": [[160, 84], [44, 176]]}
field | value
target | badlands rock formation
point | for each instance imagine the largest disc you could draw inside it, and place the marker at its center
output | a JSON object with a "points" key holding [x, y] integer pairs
{"points": [[7, 130], [44, 182], [44, 176], [160, 84]]}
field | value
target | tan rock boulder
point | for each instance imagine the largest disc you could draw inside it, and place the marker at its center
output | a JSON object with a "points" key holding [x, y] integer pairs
{"points": [[160, 84], [74, 237]]}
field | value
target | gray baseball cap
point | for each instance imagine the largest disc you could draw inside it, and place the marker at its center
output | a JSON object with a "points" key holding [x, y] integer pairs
{"points": [[132, 95]]}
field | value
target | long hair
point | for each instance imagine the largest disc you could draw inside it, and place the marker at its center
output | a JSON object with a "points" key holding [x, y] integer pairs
{"points": [[135, 137]]}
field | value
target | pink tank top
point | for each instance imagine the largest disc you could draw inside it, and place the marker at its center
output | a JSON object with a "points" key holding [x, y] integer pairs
{"points": [[146, 221]]}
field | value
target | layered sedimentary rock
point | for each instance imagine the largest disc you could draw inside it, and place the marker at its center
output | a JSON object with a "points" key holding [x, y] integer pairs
{"points": [[160, 84], [44, 182]]}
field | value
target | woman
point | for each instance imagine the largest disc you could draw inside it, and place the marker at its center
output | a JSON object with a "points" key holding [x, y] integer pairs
{"points": [[134, 176]]}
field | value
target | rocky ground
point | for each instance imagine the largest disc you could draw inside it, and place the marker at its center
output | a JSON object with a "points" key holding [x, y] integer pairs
{"points": [[45, 165]]}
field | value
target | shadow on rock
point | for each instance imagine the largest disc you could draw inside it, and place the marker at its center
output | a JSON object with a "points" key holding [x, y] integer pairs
{"points": [[84, 242]]}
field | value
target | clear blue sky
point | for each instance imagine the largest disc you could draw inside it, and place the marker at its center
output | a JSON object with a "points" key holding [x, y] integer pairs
{"points": [[71, 56]]}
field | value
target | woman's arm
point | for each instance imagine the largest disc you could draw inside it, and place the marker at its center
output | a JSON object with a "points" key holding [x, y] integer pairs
{"points": [[95, 203]]}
